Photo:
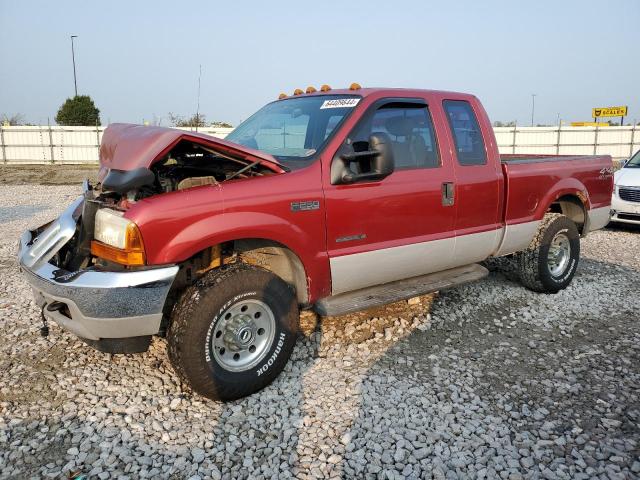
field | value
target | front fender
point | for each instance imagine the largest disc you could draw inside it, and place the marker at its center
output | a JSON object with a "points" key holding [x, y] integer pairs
{"points": [[306, 243], [226, 227]]}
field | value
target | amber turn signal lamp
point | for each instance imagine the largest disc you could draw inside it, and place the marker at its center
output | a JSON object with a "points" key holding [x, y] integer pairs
{"points": [[325, 88], [355, 86], [311, 89], [132, 254], [297, 91], [281, 96]]}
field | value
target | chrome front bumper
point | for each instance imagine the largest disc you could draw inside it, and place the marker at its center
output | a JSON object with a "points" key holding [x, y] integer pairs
{"points": [[100, 304]]}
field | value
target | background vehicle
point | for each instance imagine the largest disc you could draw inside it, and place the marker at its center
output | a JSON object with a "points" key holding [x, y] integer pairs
{"points": [[625, 202], [333, 200]]}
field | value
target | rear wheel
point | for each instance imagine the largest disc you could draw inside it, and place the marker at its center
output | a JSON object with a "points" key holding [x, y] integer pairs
{"points": [[551, 260], [232, 332]]}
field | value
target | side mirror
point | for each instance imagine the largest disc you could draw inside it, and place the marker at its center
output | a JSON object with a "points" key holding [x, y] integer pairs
{"points": [[375, 163]]}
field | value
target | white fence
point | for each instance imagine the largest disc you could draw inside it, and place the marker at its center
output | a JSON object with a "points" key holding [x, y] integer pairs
{"points": [[54, 144], [68, 145], [619, 142]]}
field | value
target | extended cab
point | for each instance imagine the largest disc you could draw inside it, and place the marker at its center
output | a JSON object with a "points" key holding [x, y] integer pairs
{"points": [[335, 200]]}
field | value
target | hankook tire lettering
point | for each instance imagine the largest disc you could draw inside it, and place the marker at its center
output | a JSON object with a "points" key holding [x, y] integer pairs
{"points": [[273, 357]]}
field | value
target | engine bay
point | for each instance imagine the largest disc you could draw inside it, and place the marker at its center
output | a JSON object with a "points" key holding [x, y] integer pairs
{"points": [[188, 164]]}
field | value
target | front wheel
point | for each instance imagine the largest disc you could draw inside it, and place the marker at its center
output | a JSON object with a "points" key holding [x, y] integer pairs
{"points": [[551, 260], [232, 332]]}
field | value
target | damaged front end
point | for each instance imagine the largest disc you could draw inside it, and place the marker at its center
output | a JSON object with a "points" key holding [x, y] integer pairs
{"points": [[115, 311], [152, 160], [187, 164], [88, 269]]}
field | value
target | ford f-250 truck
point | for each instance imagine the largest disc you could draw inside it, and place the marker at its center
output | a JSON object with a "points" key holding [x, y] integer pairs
{"points": [[335, 200]]}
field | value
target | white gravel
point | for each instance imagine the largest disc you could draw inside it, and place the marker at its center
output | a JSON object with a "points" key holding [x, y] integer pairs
{"points": [[489, 381]]}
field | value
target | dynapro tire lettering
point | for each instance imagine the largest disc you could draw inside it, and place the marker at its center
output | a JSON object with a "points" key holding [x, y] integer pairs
{"points": [[274, 355]]}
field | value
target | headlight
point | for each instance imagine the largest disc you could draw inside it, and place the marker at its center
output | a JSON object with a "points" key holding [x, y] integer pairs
{"points": [[111, 228], [117, 239]]}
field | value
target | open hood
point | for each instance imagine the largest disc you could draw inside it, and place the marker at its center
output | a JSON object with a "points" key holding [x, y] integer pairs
{"points": [[126, 147]]}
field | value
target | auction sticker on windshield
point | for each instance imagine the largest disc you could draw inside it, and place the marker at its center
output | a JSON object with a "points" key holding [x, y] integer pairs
{"points": [[340, 103]]}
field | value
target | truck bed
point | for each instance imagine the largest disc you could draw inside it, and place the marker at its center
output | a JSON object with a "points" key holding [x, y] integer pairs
{"points": [[529, 179], [518, 158]]}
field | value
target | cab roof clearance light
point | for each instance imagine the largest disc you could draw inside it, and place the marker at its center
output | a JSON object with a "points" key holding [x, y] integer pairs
{"points": [[312, 89]]}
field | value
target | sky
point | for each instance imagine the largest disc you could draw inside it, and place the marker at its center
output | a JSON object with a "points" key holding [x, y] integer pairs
{"points": [[139, 60]]}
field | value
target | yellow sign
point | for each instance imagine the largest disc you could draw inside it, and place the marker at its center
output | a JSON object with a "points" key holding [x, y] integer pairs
{"points": [[589, 124], [609, 112]]}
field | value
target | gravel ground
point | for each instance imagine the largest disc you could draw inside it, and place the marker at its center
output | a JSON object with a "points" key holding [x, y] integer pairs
{"points": [[486, 381]]}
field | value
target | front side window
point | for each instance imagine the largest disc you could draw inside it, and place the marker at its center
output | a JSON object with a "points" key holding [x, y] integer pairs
{"points": [[295, 129], [410, 129], [466, 132]]}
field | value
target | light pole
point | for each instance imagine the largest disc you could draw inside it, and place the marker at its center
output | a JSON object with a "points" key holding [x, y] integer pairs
{"points": [[73, 56], [533, 106]]}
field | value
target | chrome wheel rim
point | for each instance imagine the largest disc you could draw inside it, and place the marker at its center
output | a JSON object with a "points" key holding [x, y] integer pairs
{"points": [[243, 335], [559, 254]]}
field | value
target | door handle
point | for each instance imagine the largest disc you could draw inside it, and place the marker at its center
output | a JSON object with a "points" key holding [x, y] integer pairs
{"points": [[448, 194]]}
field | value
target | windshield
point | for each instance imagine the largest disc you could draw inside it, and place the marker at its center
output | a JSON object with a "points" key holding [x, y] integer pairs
{"points": [[293, 130], [634, 162]]}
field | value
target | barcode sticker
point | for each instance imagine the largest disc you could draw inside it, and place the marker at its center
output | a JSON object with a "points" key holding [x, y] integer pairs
{"points": [[340, 103]]}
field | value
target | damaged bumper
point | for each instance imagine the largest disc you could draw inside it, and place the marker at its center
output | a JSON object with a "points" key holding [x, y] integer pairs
{"points": [[92, 303]]}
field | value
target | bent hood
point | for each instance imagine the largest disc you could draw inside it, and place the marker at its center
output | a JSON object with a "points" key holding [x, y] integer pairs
{"points": [[126, 146], [629, 177]]}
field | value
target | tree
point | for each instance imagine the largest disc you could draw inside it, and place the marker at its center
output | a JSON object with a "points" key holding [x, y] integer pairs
{"points": [[77, 111], [504, 124], [221, 125], [194, 121], [15, 119]]}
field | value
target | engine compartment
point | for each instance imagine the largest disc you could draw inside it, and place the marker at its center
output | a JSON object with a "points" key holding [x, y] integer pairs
{"points": [[188, 164]]}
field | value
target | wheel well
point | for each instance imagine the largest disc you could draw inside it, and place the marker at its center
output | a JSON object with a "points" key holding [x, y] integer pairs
{"points": [[572, 207], [278, 259]]}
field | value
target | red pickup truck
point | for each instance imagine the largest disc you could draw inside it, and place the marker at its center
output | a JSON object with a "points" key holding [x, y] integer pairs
{"points": [[335, 200]]}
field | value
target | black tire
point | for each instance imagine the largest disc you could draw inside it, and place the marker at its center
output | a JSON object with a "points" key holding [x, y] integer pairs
{"points": [[203, 305], [533, 263], [507, 266]]}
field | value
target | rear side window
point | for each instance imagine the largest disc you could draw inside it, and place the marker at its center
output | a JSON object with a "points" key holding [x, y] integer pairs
{"points": [[466, 132]]}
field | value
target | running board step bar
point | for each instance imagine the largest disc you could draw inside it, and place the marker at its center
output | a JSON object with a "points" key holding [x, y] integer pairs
{"points": [[379, 295]]}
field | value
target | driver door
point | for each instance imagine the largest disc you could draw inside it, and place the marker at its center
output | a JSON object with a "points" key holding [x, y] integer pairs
{"points": [[399, 227]]}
